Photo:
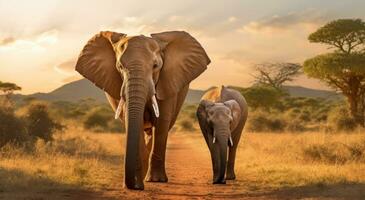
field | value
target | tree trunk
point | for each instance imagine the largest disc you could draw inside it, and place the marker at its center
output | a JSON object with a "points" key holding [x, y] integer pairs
{"points": [[354, 109]]}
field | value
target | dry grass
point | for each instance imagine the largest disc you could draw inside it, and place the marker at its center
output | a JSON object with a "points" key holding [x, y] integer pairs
{"points": [[75, 160], [266, 162], [284, 160]]}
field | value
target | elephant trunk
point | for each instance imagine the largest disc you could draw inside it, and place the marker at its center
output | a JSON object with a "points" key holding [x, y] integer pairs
{"points": [[220, 156], [136, 94]]}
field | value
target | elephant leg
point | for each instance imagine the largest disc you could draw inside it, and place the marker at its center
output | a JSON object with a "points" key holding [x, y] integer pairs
{"points": [[169, 109], [236, 135], [145, 153], [230, 164], [148, 140], [145, 146], [156, 171]]}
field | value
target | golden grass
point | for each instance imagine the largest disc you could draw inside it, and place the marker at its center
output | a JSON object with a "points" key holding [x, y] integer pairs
{"points": [[75, 160], [276, 161], [266, 162]]}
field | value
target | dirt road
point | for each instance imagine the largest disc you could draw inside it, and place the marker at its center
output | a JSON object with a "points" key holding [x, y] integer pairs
{"points": [[189, 170]]}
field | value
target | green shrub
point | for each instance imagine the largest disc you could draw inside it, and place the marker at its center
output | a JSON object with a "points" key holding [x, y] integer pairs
{"points": [[186, 125], [97, 118], [261, 121], [259, 96], [12, 128], [39, 123], [116, 126], [101, 119], [340, 119]]}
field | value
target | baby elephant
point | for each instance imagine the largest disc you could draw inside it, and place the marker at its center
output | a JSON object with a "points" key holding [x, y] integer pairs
{"points": [[222, 114]]}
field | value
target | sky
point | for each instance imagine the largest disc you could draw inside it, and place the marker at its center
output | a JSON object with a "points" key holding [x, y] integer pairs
{"points": [[40, 40]]}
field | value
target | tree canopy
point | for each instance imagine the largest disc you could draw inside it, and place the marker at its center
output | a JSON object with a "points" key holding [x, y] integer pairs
{"points": [[346, 35], [276, 74], [7, 87], [344, 68]]}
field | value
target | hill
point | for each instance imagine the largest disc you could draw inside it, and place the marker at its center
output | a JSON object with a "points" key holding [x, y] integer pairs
{"points": [[299, 91], [82, 89]]}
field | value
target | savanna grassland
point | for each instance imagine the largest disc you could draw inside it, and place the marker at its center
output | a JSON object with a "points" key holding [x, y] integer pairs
{"points": [[77, 161], [80, 164], [297, 148]]}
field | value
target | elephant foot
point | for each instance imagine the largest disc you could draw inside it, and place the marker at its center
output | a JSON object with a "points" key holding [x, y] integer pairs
{"points": [[156, 176], [230, 171], [136, 186], [231, 176], [219, 181]]}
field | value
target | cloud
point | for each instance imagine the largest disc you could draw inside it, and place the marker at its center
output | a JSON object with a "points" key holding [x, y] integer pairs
{"points": [[197, 25], [29, 43], [308, 17], [7, 40], [232, 19], [66, 67]]}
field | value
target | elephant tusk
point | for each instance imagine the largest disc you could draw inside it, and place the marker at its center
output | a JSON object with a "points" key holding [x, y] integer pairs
{"points": [[155, 106], [120, 105], [213, 139], [230, 141], [119, 109]]}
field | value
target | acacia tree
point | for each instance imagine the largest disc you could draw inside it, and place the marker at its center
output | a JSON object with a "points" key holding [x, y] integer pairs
{"points": [[344, 68], [276, 74], [8, 89]]}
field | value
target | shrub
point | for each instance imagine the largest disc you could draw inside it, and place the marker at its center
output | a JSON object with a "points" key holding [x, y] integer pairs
{"points": [[186, 125], [261, 121], [340, 120], [12, 128], [295, 126], [335, 152], [101, 119], [39, 123], [116, 126], [259, 96], [97, 118]]}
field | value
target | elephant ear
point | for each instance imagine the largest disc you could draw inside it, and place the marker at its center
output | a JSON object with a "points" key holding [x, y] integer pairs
{"points": [[97, 61], [202, 115], [235, 111], [184, 60]]}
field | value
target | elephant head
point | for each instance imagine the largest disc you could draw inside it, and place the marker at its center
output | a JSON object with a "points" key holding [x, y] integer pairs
{"points": [[157, 66], [217, 121]]}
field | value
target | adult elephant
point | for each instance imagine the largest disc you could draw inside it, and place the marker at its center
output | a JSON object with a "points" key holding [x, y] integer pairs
{"points": [[148, 79]]}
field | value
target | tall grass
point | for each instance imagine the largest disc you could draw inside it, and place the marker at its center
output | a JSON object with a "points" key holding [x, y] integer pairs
{"points": [[76, 159], [292, 160]]}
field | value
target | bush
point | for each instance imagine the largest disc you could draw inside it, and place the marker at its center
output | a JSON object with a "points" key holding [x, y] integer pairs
{"points": [[39, 123], [97, 118], [12, 128], [295, 126], [101, 119], [259, 96], [260, 121], [186, 125], [335, 152], [116, 126], [340, 119]]}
